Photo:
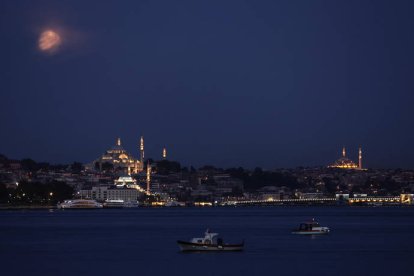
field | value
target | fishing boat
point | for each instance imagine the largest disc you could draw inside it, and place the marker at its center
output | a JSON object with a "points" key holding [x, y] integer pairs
{"points": [[311, 228], [210, 242]]}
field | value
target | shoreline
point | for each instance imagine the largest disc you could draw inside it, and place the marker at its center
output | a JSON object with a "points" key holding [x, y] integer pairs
{"points": [[37, 207]]}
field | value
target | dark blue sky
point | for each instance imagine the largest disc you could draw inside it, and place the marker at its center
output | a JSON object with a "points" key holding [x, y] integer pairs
{"points": [[229, 83]]}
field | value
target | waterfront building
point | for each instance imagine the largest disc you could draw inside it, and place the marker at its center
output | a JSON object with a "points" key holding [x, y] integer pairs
{"points": [[121, 159], [271, 193], [102, 193], [201, 191], [125, 188], [123, 181], [128, 182], [407, 198]]}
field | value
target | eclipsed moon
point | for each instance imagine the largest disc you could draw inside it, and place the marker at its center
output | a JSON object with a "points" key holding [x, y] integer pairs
{"points": [[49, 40]]}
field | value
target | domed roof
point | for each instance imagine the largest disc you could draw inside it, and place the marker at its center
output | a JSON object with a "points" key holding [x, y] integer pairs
{"points": [[118, 145], [117, 148], [117, 154], [344, 163]]}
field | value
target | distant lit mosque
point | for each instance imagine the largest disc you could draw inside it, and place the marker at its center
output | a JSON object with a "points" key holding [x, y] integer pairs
{"points": [[121, 159], [345, 163]]}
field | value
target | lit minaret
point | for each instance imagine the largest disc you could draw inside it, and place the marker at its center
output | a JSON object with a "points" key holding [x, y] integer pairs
{"points": [[164, 153], [136, 167], [343, 152], [118, 142], [360, 158], [141, 148], [148, 178]]}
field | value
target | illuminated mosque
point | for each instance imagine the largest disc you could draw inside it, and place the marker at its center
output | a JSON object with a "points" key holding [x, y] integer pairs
{"points": [[345, 163], [120, 158]]}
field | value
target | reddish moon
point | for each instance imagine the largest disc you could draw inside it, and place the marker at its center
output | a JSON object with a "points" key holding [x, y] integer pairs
{"points": [[49, 40]]}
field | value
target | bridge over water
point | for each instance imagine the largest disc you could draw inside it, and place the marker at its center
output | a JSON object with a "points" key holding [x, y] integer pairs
{"points": [[402, 199], [305, 201]]}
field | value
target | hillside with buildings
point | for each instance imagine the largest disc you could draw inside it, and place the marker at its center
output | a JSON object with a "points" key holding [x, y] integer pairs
{"points": [[118, 176]]}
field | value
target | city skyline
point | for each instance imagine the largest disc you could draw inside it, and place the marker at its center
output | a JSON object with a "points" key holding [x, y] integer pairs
{"points": [[237, 83], [133, 161]]}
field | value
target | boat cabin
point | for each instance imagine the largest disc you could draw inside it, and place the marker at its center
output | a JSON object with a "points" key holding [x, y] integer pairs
{"points": [[308, 225], [209, 238]]}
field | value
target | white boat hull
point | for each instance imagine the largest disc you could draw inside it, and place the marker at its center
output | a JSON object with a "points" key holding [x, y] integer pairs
{"points": [[187, 246], [79, 204], [310, 232]]}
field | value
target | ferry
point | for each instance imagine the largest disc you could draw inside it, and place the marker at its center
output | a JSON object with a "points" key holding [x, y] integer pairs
{"points": [[311, 228], [119, 203], [210, 242], [131, 204], [79, 204], [173, 203]]}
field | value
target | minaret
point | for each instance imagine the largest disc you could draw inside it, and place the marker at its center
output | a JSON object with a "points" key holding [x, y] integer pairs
{"points": [[141, 149], [148, 178], [136, 167], [343, 152], [360, 158], [118, 142], [129, 170], [164, 153]]}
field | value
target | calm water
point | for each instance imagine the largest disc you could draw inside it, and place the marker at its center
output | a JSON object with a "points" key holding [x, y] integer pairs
{"points": [[364, 241]]}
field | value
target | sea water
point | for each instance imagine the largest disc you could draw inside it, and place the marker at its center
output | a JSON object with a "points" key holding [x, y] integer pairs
{"points": [[142, 241]]}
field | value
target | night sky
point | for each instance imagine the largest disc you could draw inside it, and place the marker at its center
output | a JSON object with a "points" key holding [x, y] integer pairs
{"points": [[227, 83]]}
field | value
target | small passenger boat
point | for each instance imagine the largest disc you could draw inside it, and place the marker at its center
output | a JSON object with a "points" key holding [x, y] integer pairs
{"points": [[311, 228], [210, 242]]}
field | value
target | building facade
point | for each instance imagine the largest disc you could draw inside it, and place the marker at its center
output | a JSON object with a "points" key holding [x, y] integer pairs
{"points": [[121, 160], [111, 193]]}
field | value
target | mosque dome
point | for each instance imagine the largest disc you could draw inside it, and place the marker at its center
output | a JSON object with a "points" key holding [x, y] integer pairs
{"points": [[117, 148], [344, 162], [120, 158]]}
